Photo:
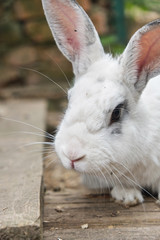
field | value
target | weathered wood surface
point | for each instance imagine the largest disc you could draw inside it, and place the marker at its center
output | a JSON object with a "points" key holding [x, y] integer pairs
{"points": [[21, 169], [68, 206]]}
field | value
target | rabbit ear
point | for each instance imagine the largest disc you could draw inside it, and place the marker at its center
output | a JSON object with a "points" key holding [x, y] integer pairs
{"points": [[74, 33], [141, 58]]}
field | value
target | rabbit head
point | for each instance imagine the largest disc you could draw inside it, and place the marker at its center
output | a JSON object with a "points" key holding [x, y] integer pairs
{"points": [[102, 124]]}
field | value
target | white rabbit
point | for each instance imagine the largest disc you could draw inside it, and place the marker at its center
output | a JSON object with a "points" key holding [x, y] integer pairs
{"points": [[111, 130]]}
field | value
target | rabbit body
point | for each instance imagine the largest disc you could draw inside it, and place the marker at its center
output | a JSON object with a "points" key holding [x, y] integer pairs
{"points": [[125, 156], [110, 132]]}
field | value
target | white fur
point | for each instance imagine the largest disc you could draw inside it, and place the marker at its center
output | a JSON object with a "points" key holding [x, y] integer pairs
{"points": [[125, 160], [84, 131]]}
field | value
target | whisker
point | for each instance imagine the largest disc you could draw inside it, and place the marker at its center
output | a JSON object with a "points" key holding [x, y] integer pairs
{"points": [[27, 124], [40, 151], [104, 177], [118, 180], [50, 162], [36, 143], [33, 70], [25, 132], [60, 69], [94, 178], [137, 184], [111, 180]]}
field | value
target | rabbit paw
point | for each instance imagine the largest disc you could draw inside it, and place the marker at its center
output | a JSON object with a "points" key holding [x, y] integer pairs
{"points": [[127, 196]]}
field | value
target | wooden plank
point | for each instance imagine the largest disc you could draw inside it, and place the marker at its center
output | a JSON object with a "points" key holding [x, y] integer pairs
{"points": [[21, 169], [116, 233], [69, 206]]}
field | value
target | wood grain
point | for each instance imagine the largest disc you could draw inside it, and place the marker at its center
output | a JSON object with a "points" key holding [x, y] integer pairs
{"points": [[67, 209], [21, 168]]}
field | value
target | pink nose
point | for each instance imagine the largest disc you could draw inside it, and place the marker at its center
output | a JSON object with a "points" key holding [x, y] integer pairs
{"points": [[76, 160]]}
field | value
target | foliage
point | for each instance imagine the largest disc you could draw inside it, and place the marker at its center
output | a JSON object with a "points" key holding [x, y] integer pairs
{"points": [[111, 44], [148, 5]]}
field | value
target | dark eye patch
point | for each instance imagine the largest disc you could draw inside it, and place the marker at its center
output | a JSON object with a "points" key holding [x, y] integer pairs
{"points": [[116, 131]]}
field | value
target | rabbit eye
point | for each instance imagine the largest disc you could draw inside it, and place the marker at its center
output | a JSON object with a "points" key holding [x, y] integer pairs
{"points": [[117, 113]]}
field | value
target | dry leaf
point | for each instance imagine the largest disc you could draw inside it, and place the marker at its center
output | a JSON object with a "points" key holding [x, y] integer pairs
{"points": [[110, 227], [84, 226]]}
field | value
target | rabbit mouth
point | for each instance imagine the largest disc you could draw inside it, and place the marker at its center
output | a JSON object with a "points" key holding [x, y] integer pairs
{"points": [[76, 160]]}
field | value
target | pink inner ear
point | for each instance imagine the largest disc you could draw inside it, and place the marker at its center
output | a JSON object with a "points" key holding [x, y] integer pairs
{"points": [[150, 50], [69, 20]]}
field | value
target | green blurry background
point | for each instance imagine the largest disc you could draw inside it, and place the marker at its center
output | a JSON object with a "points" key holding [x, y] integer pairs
{"points": [[25, 41]]}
